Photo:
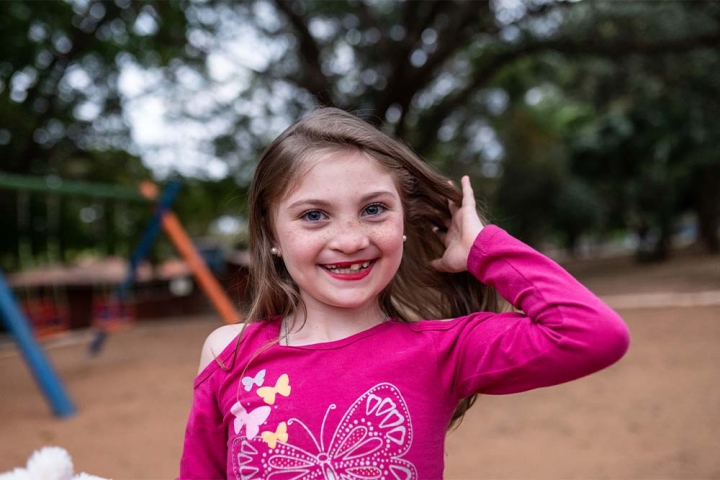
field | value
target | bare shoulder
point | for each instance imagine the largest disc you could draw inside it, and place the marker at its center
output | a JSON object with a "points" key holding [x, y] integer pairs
{"points": [[217, 341]]}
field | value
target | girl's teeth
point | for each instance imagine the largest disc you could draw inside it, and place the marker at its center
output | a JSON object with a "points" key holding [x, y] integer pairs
{"points": [[354, 268]]}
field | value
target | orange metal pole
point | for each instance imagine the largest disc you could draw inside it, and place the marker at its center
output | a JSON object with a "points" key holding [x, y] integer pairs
{"points": [[204, 276], [202, 273]]}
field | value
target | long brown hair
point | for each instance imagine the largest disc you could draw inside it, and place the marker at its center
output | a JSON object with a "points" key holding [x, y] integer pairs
{"points": [[417, 291]]}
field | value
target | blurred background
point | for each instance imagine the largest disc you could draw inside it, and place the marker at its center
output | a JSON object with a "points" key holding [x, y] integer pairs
{"points": [[590, 130]]}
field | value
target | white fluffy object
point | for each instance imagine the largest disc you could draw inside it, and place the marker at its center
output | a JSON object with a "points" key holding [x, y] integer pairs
{"points": [[48, 463]]}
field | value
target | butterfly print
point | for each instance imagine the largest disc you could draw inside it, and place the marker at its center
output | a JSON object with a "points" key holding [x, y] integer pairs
{"points": [[271, 438], [258, 380], [368, 443], [282, 387], [251, 421]]}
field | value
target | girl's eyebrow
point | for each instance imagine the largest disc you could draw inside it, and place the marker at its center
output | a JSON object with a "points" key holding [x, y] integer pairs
{"points": [[325, 204], [373, 195], [315, 202]]}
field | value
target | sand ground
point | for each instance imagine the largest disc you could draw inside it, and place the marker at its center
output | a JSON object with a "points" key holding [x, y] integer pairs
{"points": [[654, 415]]}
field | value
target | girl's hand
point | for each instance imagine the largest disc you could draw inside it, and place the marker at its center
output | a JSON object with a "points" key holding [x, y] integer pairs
{"points": [[464, 227]]}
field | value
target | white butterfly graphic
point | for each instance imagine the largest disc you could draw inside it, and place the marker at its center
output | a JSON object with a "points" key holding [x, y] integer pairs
{"points": [[368, 443], [251, 421], [258, 380]]}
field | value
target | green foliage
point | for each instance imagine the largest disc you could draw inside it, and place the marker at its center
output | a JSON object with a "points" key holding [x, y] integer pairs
{"points": [[533, 171], [59, 74], [61, 112], [641, 151], [572, 118], [203, 200]]}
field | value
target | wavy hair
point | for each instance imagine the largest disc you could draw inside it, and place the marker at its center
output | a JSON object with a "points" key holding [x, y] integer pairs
{"points": [[417, 291]]}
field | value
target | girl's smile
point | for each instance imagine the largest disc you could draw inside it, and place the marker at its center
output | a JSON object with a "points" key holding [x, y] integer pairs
{"points": [[350, 270], [339, 233]]}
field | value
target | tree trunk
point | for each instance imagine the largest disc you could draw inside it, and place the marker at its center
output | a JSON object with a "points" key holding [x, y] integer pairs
{"points": [[708, 208]]}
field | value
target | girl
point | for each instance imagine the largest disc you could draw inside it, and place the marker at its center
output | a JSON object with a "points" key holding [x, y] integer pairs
{"points": [[354, 240]]}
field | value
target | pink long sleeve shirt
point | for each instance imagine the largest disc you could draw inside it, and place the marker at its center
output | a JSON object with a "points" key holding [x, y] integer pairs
{"points": [[377, 404]]}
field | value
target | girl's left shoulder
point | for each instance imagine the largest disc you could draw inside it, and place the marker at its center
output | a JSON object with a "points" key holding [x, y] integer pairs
{"points": [[217, 342]]}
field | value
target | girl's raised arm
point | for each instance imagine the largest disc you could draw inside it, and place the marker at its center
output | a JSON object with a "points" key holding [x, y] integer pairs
{"points": [[562, 332]]}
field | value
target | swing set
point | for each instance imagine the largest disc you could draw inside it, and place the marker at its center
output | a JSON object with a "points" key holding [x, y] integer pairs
{"points": [[41, 312], [46, 308]]}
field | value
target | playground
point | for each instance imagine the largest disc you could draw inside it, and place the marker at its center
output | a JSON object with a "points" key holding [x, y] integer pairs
{"points": [[653, 415], [130, 135]]}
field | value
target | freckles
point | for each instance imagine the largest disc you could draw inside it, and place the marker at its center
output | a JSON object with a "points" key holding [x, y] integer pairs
{"points": [[300, 239], [390, 233]]}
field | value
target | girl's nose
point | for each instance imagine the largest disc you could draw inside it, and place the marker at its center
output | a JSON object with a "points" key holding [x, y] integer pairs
{"points": [[350, 237]]}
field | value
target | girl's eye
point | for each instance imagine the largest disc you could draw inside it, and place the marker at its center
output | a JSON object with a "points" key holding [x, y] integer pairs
{"points": [[313, 215], [374, 209]]}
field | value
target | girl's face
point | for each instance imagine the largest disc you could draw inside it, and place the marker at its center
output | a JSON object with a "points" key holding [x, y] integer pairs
{"points": [[340, 230]]}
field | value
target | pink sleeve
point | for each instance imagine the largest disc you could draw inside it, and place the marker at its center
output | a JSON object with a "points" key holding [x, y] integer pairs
{"points": [[205, 449], [565, 332]]}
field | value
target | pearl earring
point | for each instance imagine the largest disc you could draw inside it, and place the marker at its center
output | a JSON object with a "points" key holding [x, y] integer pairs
{"points": [[404, 238], [274, 250]]}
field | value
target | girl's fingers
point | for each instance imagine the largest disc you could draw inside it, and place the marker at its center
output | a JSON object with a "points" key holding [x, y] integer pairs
{"points": [[463, 222], [451, 205], [437, 265], [467, 191]]}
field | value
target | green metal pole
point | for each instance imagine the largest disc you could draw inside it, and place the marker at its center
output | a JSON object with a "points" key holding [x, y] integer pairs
{"points": [[54, 184]]}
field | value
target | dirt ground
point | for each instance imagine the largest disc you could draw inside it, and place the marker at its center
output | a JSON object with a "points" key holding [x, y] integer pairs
{"points": [[654, 415]]}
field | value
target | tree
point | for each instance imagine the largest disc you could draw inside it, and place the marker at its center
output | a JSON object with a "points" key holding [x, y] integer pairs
{"points": [[60, 72], [648, 148], [60, 105], [450, 77], [434, 72]]}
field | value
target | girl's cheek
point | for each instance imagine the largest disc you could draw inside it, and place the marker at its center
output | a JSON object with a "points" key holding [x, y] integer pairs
{"points": [[312, 239], [390, 233]]}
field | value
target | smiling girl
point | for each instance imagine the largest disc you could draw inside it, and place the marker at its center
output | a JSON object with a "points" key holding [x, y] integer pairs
{"points": [[376, 318]]}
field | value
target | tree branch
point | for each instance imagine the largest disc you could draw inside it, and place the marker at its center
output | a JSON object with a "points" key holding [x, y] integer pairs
{"points": [[624, 48], [405, 80], [485, 73], [313, 78], [464, 23], [451, 39]]}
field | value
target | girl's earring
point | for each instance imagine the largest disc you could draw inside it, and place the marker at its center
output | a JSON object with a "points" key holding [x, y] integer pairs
{"points": [[404, 238], [275, 251]]}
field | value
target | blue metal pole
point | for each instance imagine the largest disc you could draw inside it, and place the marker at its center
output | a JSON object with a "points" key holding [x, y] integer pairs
{"points": [[142, 250], [40, 366], [140, 253]]}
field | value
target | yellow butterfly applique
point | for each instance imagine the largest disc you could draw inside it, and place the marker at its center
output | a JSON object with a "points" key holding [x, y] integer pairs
{"points": [[280, 434], [282, 386]]}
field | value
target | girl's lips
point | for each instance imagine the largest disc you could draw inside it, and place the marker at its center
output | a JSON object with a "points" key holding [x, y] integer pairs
{"points": [[350, 270]]}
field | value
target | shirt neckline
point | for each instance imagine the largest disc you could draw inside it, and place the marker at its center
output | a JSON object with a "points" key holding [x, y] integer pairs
{"points": [[334, 344]]}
